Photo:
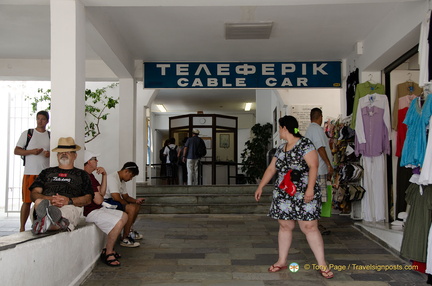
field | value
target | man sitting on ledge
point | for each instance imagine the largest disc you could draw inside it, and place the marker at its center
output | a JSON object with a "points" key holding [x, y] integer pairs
{"points": [[59, 192]]}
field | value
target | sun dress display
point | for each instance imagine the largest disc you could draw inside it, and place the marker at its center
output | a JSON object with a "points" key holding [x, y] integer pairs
{"points": [[288, 207]]}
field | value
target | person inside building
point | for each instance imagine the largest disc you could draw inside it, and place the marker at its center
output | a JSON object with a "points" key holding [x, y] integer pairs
{"points": [[117, 194], [325, 169], [110, 221], [182, 163], [171, 154], [33, 146], [191, 158], [59, 193], [296, 196]]}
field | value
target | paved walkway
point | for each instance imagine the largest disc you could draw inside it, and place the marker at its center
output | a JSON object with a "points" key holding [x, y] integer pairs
{"points": [[192, 250]]}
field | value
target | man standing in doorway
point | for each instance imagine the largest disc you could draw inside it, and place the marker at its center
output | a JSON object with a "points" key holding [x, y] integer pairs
{"points": [[325, 169], [191, 157], [33, 145]]}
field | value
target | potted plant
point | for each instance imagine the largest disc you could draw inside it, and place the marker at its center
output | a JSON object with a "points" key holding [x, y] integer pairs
{"points": [[254, 155]]}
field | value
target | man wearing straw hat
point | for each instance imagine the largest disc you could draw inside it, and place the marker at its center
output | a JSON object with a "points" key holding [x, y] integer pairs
{"points": [[60, 192]]}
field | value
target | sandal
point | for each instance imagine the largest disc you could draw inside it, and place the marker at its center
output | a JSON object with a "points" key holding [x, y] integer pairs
{"points": [[110, 262], [327, 274], [275, 268], [103, 254]]}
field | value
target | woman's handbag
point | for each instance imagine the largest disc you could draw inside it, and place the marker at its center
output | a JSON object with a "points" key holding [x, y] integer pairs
{"points": [[287, 185]]}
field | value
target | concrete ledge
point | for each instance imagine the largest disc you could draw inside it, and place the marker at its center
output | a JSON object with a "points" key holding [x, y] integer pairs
{"points": [[384, 234], [64, 258]]}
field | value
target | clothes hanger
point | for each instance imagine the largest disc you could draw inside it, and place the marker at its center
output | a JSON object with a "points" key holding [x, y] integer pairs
{"points": [[409, 77], [371, 79]]}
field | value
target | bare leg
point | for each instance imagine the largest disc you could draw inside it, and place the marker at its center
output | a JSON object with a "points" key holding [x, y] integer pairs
{"points": [[114, 234], [132, 212], [315, 241], [24, 214], [284, 240]]}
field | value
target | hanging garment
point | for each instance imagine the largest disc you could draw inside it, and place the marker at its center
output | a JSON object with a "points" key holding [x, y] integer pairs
{"points": [[373, 126], [363, 89], [352, 82], [426, 171], [404, 104], [403, 176], [417, 119], [424, 50], [402, 90], [415, 236], [429, 253], [375, 184]]}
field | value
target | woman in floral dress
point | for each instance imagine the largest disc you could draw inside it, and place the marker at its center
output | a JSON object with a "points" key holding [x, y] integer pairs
{"points": [[299, 156]]}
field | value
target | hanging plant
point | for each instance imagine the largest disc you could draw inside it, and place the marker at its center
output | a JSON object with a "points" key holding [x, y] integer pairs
{"points": [[254, 155], [96, 103]]}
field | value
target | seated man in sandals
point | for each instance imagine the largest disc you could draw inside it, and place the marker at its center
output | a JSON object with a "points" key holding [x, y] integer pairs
{"points": [[110, 221], [59, 193], [117, 194]]}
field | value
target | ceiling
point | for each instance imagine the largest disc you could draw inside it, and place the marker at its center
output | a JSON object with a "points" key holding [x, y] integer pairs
{"points": [[164, 30]]}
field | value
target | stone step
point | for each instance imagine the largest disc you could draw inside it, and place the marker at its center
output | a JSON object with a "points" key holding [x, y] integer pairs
{"points": [[220, 199], [216, 189], [205, 209], [202, 199]]}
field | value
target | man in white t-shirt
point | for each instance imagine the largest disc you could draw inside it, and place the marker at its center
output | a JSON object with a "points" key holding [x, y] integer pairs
{"points": [[116, 194], [36, 157]]}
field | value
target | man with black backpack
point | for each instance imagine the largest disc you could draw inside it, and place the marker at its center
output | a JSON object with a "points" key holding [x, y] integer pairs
{"points": [[171, 153], [33, 147], [194, 150]]}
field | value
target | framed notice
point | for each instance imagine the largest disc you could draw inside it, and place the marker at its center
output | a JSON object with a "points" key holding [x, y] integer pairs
{"points": [[302, 114]]}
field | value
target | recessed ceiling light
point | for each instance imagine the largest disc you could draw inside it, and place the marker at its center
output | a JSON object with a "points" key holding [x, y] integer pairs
{"points": [[161, 107], [248, 30]]}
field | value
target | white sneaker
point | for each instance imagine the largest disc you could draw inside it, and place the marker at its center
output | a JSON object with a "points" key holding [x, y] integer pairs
{"points": [[129, 242], [135, 235], [41, 225]]}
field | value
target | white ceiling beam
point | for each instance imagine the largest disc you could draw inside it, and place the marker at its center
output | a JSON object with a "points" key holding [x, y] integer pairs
{"points": [[108, 44]]}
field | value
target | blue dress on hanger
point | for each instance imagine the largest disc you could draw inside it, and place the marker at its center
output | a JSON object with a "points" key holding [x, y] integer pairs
{"points": [[417, 119]]}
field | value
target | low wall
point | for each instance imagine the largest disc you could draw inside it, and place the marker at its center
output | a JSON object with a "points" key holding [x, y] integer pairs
{"points": [[64, 258]]}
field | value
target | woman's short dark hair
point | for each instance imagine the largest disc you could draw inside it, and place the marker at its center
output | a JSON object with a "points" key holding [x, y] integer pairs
{"points": [[291, 124]]}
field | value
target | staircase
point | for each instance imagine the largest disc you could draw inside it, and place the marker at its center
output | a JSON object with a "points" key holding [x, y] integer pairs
{"points": [[218, 199]]}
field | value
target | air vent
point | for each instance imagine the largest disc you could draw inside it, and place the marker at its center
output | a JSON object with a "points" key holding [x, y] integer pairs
{"points": [[250, 31]]}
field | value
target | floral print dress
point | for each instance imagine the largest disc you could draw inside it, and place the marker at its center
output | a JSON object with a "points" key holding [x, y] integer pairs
{"points": [[294, 208]]}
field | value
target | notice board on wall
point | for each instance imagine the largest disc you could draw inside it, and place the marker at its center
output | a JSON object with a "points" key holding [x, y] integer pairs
{"points": [[302, 114]]}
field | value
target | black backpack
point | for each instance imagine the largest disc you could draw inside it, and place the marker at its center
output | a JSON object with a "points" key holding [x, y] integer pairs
{"points": [[29, 137], [202, 149], [173, 155]]}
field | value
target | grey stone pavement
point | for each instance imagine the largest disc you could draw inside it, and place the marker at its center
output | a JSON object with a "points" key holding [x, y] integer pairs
{"points": [[192, 250]]}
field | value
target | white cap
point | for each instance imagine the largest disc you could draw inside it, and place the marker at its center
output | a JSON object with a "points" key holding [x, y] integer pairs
{"points": [[88, 155]]}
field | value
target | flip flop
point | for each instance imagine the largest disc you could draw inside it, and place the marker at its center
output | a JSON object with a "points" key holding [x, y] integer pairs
{"points": [[327, 274], [276, 268]]}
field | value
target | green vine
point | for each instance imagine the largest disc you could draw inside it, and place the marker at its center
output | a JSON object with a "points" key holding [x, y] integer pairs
{"points": [[254, 155], [96, 103]]}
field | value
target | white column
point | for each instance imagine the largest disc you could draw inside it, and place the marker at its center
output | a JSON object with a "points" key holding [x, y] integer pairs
{"points": [[127, 132], [264, 112], [67, 74]]}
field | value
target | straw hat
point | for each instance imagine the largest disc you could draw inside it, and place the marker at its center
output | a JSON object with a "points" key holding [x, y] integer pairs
{"points": [[66, 144]]}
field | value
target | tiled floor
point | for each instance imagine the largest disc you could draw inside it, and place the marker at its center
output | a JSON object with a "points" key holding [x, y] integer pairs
{"points": [[192, 250], [9, 224]]}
